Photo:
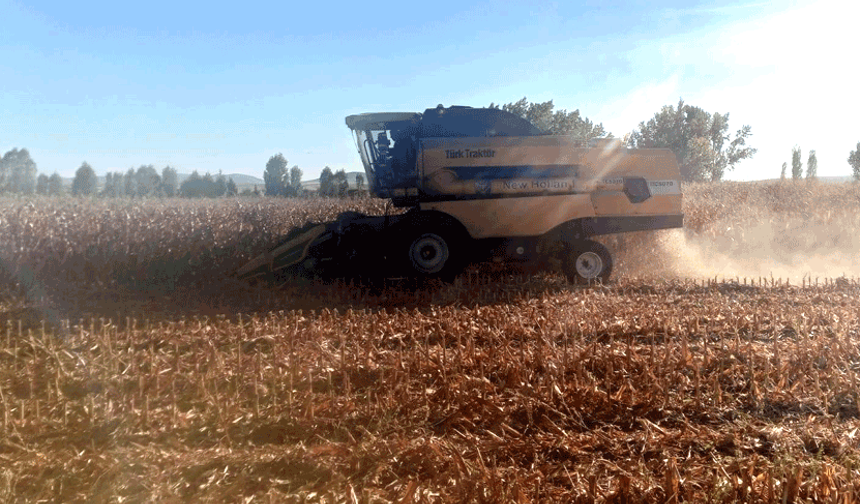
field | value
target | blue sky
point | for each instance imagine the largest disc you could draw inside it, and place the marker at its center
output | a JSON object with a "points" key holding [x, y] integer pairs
{"points": [[226, 86]]}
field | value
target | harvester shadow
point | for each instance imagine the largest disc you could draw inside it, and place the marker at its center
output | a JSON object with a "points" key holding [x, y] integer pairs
{"points": [[203, 284], [470, 289], [176, 288], [228, 298]]}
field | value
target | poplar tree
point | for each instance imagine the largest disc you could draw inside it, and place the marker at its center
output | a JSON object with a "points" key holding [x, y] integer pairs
{"points": [[812, 166], [854, 162], [796, 164]]}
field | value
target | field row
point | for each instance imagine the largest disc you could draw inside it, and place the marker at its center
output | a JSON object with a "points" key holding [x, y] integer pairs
{"points": [[631, 393], [58, 245]]}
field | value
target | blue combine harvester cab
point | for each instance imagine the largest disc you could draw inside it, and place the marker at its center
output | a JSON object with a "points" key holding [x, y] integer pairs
{"points": [[388, 142]]}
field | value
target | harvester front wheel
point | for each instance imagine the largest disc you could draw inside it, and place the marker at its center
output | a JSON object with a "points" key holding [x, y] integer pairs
{"points": [[429, 254], [432, 245], [587, 262], [434, 254]]}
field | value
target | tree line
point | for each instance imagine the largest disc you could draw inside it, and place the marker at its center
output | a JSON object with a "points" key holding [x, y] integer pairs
{"points": [[812, 164], [797, 165], [18, 175], [278, 181], [701, 141], [145, 181]]}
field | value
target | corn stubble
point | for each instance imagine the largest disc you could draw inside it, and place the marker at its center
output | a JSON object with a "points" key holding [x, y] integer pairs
{"points": [[661, 387]]}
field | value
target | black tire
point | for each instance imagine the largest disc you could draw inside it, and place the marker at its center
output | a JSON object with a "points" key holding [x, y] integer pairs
{"points": [[434, 250], [587, 262]]}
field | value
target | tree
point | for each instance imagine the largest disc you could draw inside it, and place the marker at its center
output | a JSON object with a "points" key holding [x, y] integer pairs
{"points": [[700, 160], [796, 164], [782, 173], [42, 184], [147, 181], [220, 188], [699, 139], [129, 187], [114, 185], [192, 187], [558, 122], [210, 190], [206, 186], [854, 161], [326, 182], [812, 165], [17, 172], [232, 188], [108, 189], [85, 182], [275, 176], [169, 182], [55, 185], [340, 184], [5, 168], [359, 182], [295, 181]]}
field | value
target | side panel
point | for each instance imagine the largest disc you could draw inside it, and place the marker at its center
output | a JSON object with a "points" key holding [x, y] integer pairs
{"points": [[519, 166], [511, 217], [527, 186], [659, 169], [500, 166]]}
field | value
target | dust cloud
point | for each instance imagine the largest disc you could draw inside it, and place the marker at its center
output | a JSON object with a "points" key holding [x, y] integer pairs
{"points": [[817, 237], [760, 252]]}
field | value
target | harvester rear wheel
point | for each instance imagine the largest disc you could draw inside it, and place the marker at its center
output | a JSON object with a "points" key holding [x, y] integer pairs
{"points": [[587, 262]]}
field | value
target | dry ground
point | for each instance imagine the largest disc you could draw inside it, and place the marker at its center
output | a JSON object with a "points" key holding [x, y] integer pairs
{"points": [[134, 369]]}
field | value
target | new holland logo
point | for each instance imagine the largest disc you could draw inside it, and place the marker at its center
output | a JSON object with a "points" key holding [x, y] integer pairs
{"points": [[483, 186]]}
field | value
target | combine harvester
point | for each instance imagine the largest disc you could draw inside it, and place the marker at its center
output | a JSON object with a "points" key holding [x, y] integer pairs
{"points": [[483, 185]]}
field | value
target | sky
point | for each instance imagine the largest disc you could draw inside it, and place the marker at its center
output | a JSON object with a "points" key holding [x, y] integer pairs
{"points": [[227, 86]]}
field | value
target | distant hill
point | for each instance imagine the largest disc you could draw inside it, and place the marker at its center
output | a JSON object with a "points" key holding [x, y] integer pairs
{"points": [[835, 180], [238, 178], [826, 180], [313, 185]]}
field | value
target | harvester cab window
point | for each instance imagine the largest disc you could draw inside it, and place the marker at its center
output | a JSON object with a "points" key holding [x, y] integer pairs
{"points": [[364, 149], [404, 152], [382, 144], [376, 150]]}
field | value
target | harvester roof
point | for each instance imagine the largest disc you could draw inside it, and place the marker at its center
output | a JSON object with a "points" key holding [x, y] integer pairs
{"points": [[379, 120], [455, 121]]}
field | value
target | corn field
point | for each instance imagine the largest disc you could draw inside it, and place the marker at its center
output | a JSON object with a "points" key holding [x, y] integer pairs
{"points": [[134, 368]]}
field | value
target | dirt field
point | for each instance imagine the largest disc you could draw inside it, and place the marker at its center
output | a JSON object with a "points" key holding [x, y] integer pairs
{"points": [[720, 366]]}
